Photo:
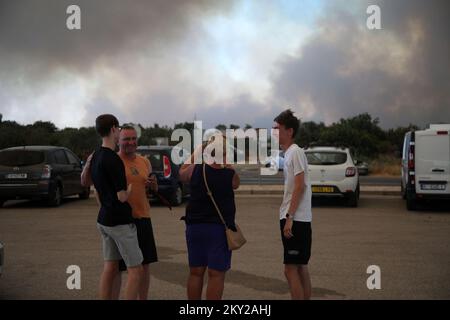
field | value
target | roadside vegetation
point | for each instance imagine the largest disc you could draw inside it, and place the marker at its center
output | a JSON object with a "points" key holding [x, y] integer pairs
{"points": [[380, 148]]}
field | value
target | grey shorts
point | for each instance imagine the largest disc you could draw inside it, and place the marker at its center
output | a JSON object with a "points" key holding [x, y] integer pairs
{"points": [[121, 242]]}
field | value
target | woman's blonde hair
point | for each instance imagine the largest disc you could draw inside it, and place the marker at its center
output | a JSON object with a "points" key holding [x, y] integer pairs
{"points": [[211, 140]]}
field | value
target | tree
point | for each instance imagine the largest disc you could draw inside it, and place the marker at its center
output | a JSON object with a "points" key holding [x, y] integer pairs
{"points": [[221, 127], [149, 134], [309, 133], [396, 136], [361, 133], [44, 125], [189, 126], [12, 134]]}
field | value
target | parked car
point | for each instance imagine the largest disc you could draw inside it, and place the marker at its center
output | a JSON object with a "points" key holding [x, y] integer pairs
{"points": [[363, 167], [169, 184], [426, 165], [333, 173], [276, 161], [2, 257], [40, 172]]}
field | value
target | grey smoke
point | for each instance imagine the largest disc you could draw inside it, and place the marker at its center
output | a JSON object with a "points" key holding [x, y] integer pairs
{"points": [[419, 94], [400, 74]]}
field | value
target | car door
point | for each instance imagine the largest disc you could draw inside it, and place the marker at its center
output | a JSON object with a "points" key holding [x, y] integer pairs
{"points": [[432, 162], [404, 168], [75, 174], [63, 170]]}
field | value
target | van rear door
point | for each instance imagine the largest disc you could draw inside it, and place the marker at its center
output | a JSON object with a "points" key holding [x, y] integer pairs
{"points": [[432, 161]]}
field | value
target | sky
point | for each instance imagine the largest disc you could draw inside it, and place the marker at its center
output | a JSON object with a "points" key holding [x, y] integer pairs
{"points": [[224, 62]]}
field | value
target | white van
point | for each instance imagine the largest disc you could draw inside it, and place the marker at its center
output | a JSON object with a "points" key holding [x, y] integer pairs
{"points": [[426, 165]]}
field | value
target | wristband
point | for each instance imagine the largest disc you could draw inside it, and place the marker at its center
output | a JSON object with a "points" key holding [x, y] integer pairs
{"points": [[289, 216]]}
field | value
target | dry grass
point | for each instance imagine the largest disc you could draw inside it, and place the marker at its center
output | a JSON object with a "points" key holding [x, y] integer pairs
{"points": [[385, 166]]}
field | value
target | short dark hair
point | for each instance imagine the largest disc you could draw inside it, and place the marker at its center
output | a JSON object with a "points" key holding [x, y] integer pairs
{"points": [[128, 126], [288, 120], [104, 123]]}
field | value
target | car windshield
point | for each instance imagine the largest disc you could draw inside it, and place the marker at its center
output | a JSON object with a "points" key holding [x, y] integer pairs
{"points": [[326, 158], [20, 158]]}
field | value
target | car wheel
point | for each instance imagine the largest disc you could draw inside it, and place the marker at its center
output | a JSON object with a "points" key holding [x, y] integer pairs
{"points": [[411, 202], [85, 194], [177, 197], [55, 197], [2, 202], [352, 200]]}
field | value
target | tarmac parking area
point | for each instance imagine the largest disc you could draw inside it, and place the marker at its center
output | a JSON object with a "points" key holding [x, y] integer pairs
{"points": [[412, 250]]}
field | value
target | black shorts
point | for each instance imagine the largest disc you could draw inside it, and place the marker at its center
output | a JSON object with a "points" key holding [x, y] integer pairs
{"points": [[146, 242], [297, 250]]}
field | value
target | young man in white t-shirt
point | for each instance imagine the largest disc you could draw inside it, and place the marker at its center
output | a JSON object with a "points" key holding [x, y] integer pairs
{"points": [[295, 210]]}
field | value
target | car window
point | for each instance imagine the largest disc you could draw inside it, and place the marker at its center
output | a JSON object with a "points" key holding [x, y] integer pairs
{"points": [[326, 158], [155, 158], [60, 157], [19, 158], [72, 158]]}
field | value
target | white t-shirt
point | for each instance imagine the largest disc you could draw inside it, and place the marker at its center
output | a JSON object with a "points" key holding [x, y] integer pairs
{"points": [[295, 162]]}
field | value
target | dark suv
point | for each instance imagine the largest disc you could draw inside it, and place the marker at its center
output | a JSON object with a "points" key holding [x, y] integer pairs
{"points": [[169, 184], [40, 172]]}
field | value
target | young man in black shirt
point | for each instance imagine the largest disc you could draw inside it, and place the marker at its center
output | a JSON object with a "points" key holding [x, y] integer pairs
{"points": [[114, 221]]}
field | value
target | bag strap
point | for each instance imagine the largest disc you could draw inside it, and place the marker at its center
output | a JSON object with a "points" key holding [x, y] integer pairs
{"points": [[208, 191]]}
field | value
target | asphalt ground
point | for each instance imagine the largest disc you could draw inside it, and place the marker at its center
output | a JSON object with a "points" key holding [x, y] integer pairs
{"points": [[412, 250]]}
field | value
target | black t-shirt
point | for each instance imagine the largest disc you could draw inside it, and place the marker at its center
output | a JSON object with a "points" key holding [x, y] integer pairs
{"points": [[108, 175], [200, 208]]}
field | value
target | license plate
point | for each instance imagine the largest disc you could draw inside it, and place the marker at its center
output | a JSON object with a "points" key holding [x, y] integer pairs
{"points": [[322, 189], [16, 176], [432, 186]]}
